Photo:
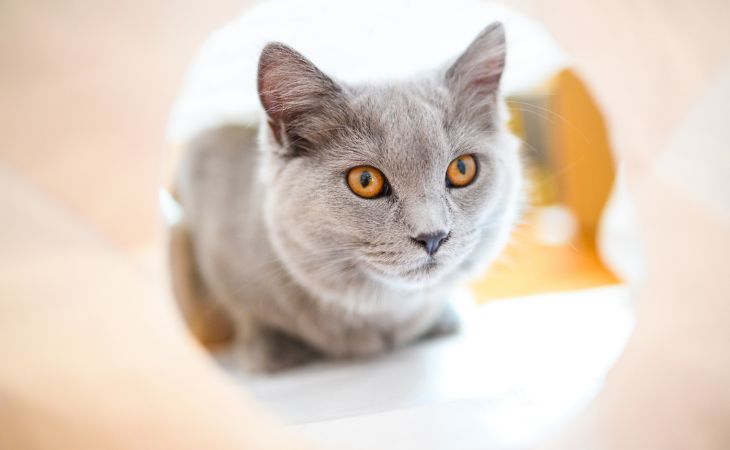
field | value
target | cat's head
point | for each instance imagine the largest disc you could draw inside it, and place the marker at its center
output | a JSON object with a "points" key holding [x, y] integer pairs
{"points": [[403, 183]]}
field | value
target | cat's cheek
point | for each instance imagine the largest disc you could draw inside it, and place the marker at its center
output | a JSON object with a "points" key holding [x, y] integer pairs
{"points": [[470, 202]]}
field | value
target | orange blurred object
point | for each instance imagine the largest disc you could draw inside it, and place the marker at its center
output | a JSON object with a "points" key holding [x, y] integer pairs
{"points": [[570, 170]]}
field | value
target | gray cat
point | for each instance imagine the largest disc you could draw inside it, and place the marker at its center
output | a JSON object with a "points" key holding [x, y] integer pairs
{"points": [[341, 225]]}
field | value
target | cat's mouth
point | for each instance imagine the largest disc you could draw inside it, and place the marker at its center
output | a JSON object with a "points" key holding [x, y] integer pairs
{"points": [[424, 270], [428, 266]]}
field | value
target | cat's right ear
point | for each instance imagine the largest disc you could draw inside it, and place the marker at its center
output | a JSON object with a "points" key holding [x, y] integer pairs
{"points": [[474, 78], [294, 93]]}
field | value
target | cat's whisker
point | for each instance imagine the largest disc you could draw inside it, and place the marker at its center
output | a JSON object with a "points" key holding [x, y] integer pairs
{"points": [[280, 269], [543, 113], [531, 148]]}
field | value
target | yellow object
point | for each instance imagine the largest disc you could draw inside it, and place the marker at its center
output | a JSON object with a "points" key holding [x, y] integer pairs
{"points": [[569, 165]]}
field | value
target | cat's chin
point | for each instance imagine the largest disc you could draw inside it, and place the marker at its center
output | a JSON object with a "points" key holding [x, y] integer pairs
{"points": [[419, 277]]}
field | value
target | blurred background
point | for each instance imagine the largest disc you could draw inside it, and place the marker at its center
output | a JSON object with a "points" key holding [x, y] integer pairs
{"points": [[86, 92], [87, 89]]}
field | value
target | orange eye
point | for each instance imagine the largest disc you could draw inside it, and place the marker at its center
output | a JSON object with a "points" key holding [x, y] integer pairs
{"points": [[461, 171], [366, 181]]}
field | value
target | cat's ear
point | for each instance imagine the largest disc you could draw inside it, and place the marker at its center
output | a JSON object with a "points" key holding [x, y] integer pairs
{"points": [[474, 78], [295, 94]]}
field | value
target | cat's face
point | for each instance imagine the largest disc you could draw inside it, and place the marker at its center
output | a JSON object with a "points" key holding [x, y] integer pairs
{"points": [[401, 183]]}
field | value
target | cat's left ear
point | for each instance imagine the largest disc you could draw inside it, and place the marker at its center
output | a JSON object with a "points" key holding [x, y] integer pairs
{"points": [[474, 78], [299, 99]]}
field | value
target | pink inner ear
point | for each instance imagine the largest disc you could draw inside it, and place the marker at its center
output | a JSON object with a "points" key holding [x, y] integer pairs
{"points": [[289, 84], [269, 92], [489, 80], [279, 67], [480, 66], [486, 69]]}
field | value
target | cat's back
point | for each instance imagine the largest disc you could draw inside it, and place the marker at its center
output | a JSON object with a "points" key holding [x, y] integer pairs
{"points": [[218, 189], [217, 173]]}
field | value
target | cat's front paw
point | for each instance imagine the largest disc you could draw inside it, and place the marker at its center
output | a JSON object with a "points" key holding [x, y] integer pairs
{"points": [[448, 323], [270, 351]]}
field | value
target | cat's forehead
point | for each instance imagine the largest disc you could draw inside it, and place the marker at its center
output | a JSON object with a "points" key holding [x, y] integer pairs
{"points": [[400, 121], [405, 105]]}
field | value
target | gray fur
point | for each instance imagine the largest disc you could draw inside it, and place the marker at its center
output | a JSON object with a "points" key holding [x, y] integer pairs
{"points": [[302, 265]]}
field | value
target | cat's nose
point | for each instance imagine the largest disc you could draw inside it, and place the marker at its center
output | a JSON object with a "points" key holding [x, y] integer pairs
{"points": [[431, 241]]}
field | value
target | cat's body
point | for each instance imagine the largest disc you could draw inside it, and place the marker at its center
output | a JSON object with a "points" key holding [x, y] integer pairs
{"points": [[304, 266], [349, 316]]}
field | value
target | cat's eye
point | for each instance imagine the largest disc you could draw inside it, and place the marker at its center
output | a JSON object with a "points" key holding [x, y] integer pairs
{"points": [[461, 171], [367, 182]]}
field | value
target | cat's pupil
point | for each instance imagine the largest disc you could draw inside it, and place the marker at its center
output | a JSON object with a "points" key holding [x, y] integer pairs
{"points": [[365, 179], [461, 166]]}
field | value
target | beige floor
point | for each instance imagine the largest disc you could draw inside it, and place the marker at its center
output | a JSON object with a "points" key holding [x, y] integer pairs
{"points": [[85, 89]]}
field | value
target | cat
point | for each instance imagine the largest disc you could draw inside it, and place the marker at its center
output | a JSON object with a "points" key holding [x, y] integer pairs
{"points": [[340, 227]]}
